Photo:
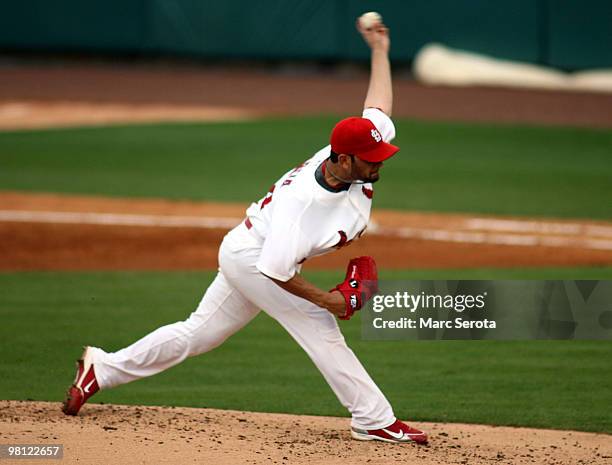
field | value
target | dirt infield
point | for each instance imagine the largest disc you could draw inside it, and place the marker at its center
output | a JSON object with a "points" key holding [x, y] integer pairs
{"points": [[104, 434], [103, 88], [60, 232], [40, 114]]}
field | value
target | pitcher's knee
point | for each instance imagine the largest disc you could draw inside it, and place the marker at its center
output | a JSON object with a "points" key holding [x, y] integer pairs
{"points": [[203, 343], [202, 336], [333, 336]]}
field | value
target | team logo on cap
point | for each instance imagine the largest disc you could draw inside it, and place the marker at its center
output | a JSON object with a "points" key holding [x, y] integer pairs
{"points": [[376, 135]]}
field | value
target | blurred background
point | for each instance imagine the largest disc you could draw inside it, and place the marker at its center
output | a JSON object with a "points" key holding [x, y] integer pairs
{"points": [[308, 39], [567, 34]]}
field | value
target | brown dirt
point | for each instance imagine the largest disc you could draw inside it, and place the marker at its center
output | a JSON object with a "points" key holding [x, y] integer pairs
{"points": [[39, 114], [56, 246], [104, 434], [257, 91]]}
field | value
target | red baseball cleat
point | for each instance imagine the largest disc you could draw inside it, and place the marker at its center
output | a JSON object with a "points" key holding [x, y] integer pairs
{"points": [[397, 432], [85, 385]]}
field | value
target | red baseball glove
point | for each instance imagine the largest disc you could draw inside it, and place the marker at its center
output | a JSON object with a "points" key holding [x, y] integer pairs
{"points": [[360, 284]]}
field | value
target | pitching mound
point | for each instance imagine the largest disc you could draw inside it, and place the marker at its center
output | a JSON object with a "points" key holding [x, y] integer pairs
{"points": [[105, 434]]}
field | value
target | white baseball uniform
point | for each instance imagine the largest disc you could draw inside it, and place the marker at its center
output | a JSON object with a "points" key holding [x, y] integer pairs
{"points": [[299, 218]]}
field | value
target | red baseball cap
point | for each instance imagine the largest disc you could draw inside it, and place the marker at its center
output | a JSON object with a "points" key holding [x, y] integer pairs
{"points": [[359, 137]]}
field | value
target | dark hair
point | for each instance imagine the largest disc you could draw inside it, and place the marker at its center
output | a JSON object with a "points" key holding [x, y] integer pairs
{"points": [[333, 156]]}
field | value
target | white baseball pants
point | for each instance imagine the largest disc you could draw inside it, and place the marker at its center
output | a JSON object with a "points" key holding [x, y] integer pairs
{"points": [[232, 300]]}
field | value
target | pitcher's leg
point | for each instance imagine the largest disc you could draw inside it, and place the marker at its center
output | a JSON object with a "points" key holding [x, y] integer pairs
{"points": [[340, 367], [222, 312], [316, 330]]}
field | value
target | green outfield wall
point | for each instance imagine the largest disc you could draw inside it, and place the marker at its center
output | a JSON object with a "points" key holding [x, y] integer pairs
{"points": [[569, 34]]}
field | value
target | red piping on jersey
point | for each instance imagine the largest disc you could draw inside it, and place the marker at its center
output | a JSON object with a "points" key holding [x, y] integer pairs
{"points": [[343, 240]]}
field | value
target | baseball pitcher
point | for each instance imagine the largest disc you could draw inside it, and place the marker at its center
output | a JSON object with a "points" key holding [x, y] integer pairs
{"points": [[315, 208]]}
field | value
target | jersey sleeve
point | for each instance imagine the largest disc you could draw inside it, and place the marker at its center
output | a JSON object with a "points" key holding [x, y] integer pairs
{"points": [[286, 244], [382, 122]]}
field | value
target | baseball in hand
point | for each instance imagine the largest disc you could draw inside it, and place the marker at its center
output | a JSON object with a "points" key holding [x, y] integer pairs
{"points": [[369, 20]]}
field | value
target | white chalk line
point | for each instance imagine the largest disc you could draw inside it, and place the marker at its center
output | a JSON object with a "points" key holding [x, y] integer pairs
{"points": [[469, 237], [568, 235], [540, 227], [119, 219]]}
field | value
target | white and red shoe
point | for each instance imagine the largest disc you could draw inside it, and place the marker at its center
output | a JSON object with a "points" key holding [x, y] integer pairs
{"points": [[397, 432], [85, 385]]}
